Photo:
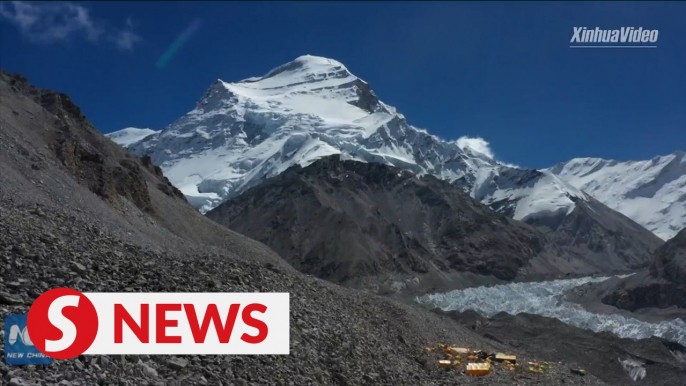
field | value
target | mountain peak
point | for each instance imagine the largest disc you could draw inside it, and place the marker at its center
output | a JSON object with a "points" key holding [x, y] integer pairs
{"points": [[312, 107], [309, 85], [310, 64], [304, 70]]}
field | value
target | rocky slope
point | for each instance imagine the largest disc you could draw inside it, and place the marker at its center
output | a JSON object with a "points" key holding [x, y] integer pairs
{"points": [[670, 260], [600, 237], [652, 192], [616, 361], [379, 227], [78, 211], [374, 226], [663, 287]]}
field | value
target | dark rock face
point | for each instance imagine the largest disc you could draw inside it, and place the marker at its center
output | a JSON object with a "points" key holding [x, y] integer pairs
{"points": [[105, 179], [349, 221], [649, 294], [368, 100], [661, 286], [601, 237], [666, 285], [670, 260], [87, 155]]}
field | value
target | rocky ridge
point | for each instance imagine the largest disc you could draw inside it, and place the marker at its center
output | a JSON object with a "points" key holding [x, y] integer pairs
{"points": [[652, 294], [650, 192], [378, 227], [381, 228], [664, 285]]}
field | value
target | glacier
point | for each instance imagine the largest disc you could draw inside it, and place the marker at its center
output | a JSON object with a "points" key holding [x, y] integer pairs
{"points": [[544, 298], [241, 133]]}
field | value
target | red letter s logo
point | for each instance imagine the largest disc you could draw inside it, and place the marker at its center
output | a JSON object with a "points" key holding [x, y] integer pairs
{"points": [[62, 323]]}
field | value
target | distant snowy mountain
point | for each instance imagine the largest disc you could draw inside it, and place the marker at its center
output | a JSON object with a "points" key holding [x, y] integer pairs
{"points": [[240, 133], [126, 137], [652, 193]]}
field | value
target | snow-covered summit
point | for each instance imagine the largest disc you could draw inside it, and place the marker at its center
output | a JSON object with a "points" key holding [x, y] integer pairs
{"points": [[651, 192], [306, 69], [240, 133]]}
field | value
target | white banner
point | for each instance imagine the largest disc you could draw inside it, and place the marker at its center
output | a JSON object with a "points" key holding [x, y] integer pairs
{"points": [[164, 323]]}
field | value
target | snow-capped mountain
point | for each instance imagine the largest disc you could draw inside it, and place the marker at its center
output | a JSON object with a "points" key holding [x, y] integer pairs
{"points": [[240, 133], [126, 137], [652, 192]]}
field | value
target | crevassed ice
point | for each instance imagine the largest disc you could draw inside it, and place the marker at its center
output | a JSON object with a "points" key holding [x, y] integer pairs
{"points": [[543, 299]]}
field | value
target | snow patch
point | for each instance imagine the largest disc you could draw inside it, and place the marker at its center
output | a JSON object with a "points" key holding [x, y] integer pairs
{"points": [[652, 192], [548, 197], [129, 135]]}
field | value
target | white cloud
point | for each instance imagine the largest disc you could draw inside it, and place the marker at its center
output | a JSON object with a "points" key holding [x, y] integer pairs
{"points": [[126, 38], [60, 21], [477, 144]]}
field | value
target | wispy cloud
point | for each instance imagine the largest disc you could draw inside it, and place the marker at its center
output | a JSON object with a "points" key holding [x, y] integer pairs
{"points": [[126, 38], [482, 146], [60, 21], [477, 144]]}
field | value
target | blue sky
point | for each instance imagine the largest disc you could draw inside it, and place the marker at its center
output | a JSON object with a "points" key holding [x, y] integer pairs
{"points": [[500, 71]]}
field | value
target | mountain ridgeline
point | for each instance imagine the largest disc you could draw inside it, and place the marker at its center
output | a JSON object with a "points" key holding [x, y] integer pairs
{"points": [[375, 226], [242, 134], [367, 224], [651, 192]]}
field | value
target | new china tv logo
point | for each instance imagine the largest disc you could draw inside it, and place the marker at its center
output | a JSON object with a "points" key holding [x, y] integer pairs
{"points": [[19, 349], [65, 323]]}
